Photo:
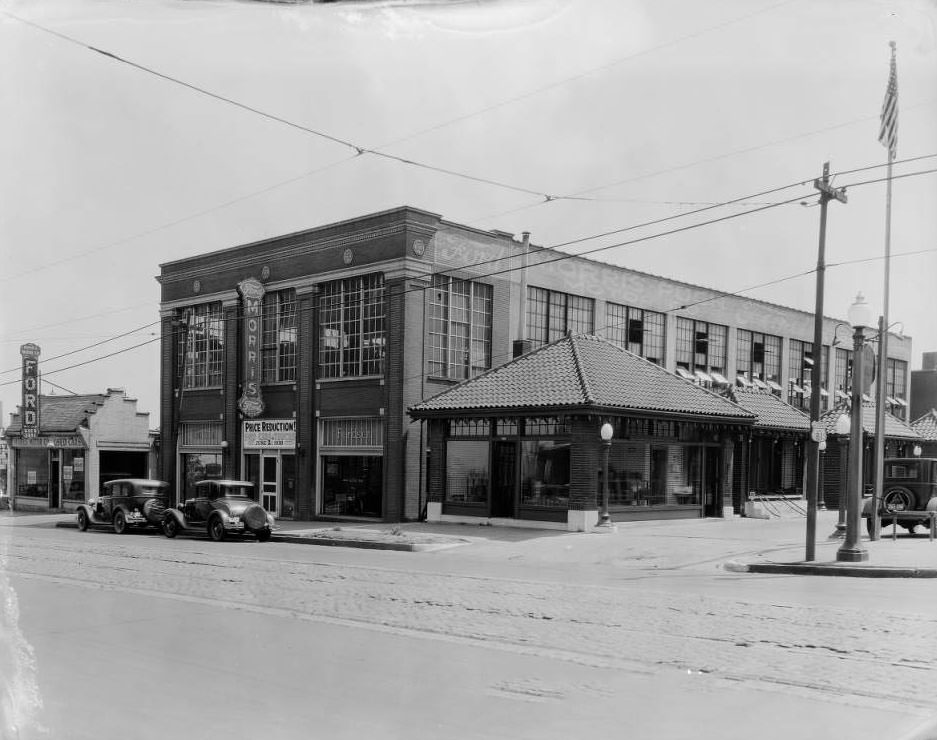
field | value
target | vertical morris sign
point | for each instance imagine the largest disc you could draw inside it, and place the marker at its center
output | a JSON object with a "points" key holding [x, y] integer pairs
{"points": [[30, 411], [251, 402]]}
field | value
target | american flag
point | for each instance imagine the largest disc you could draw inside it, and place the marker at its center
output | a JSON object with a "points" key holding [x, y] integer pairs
{"points": [[888, 131]]}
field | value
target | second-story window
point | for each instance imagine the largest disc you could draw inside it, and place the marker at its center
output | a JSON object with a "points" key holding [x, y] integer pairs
{"points": [[279, 336], [758, 359], [701, 350], [351, 327], [842, 373], [201, 345], [637, 330], [800, 369], [552, 315], [460, 328], [896, 378]]}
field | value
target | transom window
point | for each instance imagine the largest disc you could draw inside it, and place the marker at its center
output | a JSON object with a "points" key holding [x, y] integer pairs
{"points": [[201, 345], [351, 327], [552, 315], [460, 328], [279, 336], [637, 330]]}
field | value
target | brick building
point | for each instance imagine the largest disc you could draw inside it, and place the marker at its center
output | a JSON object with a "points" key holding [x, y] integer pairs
{"points": [[292, 361]]}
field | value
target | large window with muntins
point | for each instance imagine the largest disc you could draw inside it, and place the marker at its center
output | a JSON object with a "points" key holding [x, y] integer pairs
{"points": [[896, 378], [758, 359], [351, 327], [799, 370], [701, 349], [842, 371], [201, 345], [278, 350], [637, 330], [552, 315], [460, 328]]}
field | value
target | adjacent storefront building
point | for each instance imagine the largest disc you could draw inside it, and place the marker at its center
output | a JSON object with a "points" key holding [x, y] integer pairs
{"points": [[521, 443], [79, 443]]}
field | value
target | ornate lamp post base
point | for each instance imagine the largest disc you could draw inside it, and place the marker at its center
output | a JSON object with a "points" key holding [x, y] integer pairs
{"points": [[839, 532], [852, 555]]}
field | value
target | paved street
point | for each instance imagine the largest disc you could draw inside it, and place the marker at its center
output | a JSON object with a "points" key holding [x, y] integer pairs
{"points": [[847, 648]]}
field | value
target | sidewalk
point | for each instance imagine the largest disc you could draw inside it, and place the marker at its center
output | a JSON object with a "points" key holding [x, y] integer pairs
{"points": [[737, 545]]}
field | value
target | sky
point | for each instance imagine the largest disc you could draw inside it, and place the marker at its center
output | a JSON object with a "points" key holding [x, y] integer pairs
{"points": [[212, 123]]}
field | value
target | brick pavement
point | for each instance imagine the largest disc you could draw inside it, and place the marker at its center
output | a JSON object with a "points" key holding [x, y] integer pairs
{"points": [[811, 649]]}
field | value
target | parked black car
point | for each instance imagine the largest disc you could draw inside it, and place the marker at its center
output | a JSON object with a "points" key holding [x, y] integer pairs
{"points": [[126, 503], [909, 485], [220, 507]]}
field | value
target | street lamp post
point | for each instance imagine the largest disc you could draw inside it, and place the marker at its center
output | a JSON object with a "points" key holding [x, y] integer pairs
{"points": [[843, 433], [860, 316], [606, 433]]}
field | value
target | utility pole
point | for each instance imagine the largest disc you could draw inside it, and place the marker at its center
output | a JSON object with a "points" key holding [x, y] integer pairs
{"points": [[827, 193]]}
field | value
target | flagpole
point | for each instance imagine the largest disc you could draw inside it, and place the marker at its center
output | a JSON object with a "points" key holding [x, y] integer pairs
{"points": [[883, 319]]}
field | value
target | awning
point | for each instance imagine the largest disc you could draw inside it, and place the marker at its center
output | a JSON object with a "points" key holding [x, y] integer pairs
{"points": [[774, 386], [759, 383], [797, 389], [901, 402], [742, 381], [719, 379], [685, 374], [840, 394], [704, 377]]}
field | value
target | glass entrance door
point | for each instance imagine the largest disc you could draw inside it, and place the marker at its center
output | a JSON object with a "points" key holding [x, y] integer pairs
{"points": [[263, 470]]}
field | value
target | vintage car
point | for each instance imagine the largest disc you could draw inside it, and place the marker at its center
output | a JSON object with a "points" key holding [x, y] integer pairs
{"points": [[126, 503], [220, 507], [909, 485]]}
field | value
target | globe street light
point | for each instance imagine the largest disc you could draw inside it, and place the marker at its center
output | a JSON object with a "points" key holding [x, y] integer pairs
{"points": [[860, 316], [605, 433]]}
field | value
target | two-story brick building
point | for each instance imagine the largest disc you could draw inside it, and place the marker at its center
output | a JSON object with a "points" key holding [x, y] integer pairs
{"points": [[292, 361]]}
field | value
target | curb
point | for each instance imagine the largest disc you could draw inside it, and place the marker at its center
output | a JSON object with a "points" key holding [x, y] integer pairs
{"points": [[832, 569], [338, 542], [365, 544]]}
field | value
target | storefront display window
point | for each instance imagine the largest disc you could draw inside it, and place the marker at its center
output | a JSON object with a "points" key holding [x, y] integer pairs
{"points": [[467, 471], [32, 472], [352, 484], [545, 473], [73, 475], [199, 466]]}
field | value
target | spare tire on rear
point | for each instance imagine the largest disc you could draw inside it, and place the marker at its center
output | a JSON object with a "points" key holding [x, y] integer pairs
{"points": [[254, 517]]}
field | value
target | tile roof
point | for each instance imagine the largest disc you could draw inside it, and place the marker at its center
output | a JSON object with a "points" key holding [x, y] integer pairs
{"points": [[926, 426], [894, 427], [772, 412], [582, 371], [61, 413]]}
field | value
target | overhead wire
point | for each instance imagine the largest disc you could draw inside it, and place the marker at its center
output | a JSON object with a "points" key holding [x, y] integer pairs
{"points": [[564, 256]]}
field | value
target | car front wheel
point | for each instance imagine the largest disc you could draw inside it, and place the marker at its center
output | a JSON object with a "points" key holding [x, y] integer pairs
{"points": [[263, 535], [170, 527], [120, 522], [82, 520], [216, 528]]}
